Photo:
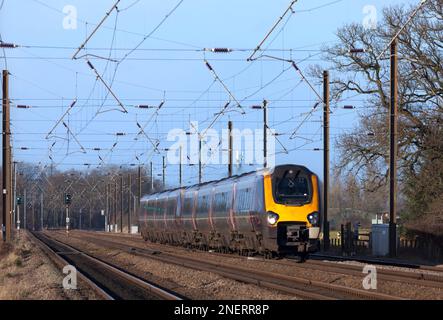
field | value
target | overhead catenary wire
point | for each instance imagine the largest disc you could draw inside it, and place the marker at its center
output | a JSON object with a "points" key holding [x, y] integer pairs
{"points": [[152, 32], [118, 149]]}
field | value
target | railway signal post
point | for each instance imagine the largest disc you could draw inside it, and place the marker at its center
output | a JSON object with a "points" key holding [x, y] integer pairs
{"points": [[18, 203], [67, 200]]}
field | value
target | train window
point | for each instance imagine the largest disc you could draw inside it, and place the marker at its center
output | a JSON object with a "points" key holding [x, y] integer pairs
{"points": [[149, 208], [222, 202], [292, 187], [203, 205], [171, 206], [160, 207], [187, 205], [243, 203], [259, 202], [146, 207], [178, 208]]}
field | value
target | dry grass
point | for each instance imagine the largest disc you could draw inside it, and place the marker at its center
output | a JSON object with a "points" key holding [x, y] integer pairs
{"points": [[27, 274]]}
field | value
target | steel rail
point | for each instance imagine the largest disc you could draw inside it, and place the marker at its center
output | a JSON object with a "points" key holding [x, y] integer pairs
{"points": [[123, 278], [61, 263]]}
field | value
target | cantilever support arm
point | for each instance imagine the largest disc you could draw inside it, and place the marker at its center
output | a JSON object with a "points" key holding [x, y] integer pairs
{"points": [[61, 119], [95, 30], [107, 87]]}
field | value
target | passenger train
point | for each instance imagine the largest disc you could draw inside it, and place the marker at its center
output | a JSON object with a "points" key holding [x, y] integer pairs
{"points": [[270, 211]]}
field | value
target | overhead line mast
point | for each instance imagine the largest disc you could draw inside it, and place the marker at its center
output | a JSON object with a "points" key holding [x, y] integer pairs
{"points": [[6, 161]]}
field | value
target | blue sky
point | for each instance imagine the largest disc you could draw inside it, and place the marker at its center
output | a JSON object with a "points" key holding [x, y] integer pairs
{"points": [[169, 66]]}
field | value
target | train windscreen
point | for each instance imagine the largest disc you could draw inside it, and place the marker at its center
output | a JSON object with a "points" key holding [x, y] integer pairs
{"points": [[292, 186]]}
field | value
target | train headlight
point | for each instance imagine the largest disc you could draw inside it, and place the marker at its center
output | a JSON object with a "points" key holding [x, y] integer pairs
{"points": [[313, 218], [272, 218]]}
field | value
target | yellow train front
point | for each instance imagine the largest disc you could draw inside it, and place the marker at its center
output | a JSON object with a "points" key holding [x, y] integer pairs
{"points": [[270, 211]]}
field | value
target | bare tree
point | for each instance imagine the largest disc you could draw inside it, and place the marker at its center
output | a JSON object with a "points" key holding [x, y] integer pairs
{"points": [[364, 151]]}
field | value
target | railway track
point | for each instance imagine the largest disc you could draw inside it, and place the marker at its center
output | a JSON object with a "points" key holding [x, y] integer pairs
{"points": [[108, 280], [415, 277], [292, 285], [377, 261]]}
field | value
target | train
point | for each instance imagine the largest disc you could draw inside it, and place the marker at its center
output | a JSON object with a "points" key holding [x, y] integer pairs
{"points": [[271, 211]]}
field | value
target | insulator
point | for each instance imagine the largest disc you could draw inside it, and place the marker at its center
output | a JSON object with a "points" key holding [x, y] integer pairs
{"points": [[90, 65], [209, 66], [221, 50]]}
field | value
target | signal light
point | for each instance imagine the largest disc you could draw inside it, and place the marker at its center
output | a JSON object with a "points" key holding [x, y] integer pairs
{"points": [[67, 199]]}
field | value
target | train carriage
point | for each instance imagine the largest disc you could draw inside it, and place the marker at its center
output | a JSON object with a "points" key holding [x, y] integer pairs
{"points": [[267, 211]]}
